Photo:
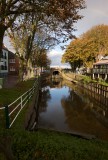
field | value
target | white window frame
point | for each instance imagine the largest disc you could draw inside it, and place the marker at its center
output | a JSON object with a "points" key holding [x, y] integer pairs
{"points": [[12, 69], [12, 60]]}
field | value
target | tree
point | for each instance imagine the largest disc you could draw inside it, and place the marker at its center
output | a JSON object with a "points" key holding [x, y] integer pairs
{"points": [[58, 15], [98, 35], [9, 11], [42, 44], [41, 59], [72, 54], [29, 38], [87, 47]]}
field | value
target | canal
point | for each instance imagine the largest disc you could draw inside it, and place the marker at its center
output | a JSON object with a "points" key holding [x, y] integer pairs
{"points": [[66, 107]]}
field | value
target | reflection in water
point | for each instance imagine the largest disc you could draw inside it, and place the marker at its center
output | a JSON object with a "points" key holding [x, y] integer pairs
{"points": [[56, 83], [64, 107], [45, 97]]}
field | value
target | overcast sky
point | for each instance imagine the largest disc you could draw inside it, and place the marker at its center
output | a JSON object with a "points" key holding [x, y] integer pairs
{"points": [[96, 13]]}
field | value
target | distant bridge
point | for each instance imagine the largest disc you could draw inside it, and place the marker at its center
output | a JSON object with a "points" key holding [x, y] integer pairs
{"points": [[56, 72]]}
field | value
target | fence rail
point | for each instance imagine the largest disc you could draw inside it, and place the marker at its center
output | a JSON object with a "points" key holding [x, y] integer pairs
{"points": [[97, 91], [13, 110]]}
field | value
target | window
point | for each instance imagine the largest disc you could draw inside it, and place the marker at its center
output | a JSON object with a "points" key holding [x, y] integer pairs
{"points": [[12, 69], [12, 60], [3, 67], [1, 56], [5, 56]]}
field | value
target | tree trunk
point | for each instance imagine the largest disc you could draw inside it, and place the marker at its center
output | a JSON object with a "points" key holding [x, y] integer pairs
{"points": [[41, 69], [2, 32], [29, 69], [21, 69]]}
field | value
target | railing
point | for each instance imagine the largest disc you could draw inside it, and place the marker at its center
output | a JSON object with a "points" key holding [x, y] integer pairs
{"points": [[97, 91], [100, 71], [13, 110]]}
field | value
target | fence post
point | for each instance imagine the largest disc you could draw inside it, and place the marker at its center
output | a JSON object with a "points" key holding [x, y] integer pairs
{"points": [[7, 116], [28, 95], [21, 102]]}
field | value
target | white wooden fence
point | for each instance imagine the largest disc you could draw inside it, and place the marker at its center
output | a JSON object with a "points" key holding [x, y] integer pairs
{"points": [[13, 110]]}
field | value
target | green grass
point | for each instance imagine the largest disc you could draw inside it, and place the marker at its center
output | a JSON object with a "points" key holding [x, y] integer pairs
{"points": [[9, 95], [50, 145], [87, 79], [101, 81], [1, 81]]}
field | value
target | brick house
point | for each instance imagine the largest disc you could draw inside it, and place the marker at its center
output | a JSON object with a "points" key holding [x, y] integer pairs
{"points": [[13, 64]]}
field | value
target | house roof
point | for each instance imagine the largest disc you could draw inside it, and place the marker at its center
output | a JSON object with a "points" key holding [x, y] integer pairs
{"points": [[103, 61], [105, 58], [11, 54], [4, 47]]}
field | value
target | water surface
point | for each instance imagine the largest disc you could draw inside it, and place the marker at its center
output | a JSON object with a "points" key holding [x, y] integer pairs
{"points": [[66, 107]]}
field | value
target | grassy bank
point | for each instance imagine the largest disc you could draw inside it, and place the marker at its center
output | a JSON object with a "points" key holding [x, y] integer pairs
{"points": [[85, 79], [49, 145], [88, 79], [9, 95]]}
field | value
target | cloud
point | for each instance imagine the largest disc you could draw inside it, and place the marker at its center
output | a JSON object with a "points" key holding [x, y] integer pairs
{"points": [[55, 56], [54, 53], [96, 13]]}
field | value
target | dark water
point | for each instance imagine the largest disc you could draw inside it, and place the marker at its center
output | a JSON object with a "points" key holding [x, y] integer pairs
{"points": [[66, 107]]}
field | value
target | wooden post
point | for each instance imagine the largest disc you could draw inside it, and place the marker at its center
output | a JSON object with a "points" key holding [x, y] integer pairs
{"points": [[28, 95], [106, 77], [7, 116]]}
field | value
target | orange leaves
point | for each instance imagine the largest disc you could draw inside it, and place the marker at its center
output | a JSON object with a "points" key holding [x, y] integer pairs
{"points": [[88, 46]]}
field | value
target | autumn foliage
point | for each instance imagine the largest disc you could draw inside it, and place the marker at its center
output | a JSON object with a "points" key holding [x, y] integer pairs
{"points": [[58, 15], [86, 49]]}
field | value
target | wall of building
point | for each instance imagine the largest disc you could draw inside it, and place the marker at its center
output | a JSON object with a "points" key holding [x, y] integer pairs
{"points": [[13, 64], [4, 63]]}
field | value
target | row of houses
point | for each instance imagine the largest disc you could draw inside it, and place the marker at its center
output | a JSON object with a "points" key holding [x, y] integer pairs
{"points": [[9, 63], [100, 69]]}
